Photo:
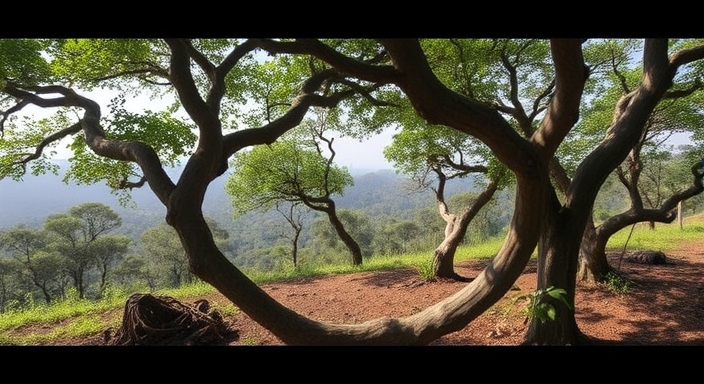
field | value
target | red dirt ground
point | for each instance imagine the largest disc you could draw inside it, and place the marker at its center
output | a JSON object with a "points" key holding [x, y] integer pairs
{"points": [[663, 306]]}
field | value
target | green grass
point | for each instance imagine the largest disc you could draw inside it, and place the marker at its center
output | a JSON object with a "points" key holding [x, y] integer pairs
{"points": [[82, 317], [665, 237]]}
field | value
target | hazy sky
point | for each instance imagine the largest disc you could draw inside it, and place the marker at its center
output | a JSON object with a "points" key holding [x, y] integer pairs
{"points": [[356, 155], [368, 155]]}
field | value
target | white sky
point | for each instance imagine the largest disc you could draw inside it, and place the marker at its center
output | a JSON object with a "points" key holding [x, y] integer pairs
{"points": [[368, 155], [356, 155]]}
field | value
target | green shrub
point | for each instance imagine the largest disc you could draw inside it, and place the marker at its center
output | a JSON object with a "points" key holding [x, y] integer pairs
{"points": [[537, 308], [425, 270], [616, 283]]}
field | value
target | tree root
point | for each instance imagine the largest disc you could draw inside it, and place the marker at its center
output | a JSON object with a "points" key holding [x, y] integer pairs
{"points": [[162, 320]]}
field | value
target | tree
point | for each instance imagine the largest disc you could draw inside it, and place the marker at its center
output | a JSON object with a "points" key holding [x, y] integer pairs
{"points": [[325, 243], [203, 72], [439, 154], [41, 268], [7, 272], [76, 236], [294, 217], [295, 172], [163, 248], [134, 270], [108, 251], [165, 252], [679, 111]]}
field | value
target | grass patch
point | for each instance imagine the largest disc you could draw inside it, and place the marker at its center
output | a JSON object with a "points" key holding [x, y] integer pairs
{"points": [[425, 270], [68, 308], [664, 237], [485, 249]]}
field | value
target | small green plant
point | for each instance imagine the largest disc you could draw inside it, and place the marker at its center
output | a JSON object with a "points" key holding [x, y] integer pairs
{"points": [[616, 283], [425, 270], [227, 309], [249, 340], [537, 308]]}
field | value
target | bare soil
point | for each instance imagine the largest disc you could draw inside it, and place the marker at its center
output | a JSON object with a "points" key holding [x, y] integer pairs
{"points": [[664, 304]]}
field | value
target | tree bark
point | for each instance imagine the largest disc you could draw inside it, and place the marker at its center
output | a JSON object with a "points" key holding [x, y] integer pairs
{"points": [[564, 225], [327, 205], [346, 238], [557, 267], [593, 265], [444, 256]]}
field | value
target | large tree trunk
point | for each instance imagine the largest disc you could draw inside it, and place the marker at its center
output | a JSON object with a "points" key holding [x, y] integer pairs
{"points": [[557, 267], [593, 265], [564, 226]]}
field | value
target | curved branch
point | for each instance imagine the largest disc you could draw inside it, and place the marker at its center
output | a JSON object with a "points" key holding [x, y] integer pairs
{"points": [[518, 111], [538, 107], [684, 92], [440, 195], [622, 79], [630, 117], [369, 71], [191, 99], [200, 59], [686, 56], [267, 134], [439, 105], [94, 134], [563, 111], [125, 184], [155, 70], [666, 213], [75, 128]]}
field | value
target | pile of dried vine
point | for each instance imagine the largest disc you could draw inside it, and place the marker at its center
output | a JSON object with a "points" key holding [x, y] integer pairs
{"points": [[162, 320]]}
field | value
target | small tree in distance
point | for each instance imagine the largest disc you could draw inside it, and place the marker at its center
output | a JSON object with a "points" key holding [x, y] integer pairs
{"points": [[295, 171], [78, 237], [294, 217]]}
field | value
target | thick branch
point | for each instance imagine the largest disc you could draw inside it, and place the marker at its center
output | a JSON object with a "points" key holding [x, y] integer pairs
{"points": [[267, 134], [666, 213], [439, 105], [369, 71], [563, 111], [94, 135], [187, 90]]}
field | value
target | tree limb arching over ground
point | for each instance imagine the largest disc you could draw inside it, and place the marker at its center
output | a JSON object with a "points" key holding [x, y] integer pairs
{"points": [[539, 219]]}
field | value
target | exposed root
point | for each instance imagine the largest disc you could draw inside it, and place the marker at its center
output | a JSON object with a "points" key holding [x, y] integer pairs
{"points": [[162, 320]]}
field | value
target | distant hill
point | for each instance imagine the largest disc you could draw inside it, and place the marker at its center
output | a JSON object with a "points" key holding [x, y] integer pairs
{"points": [[29, 202]]}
